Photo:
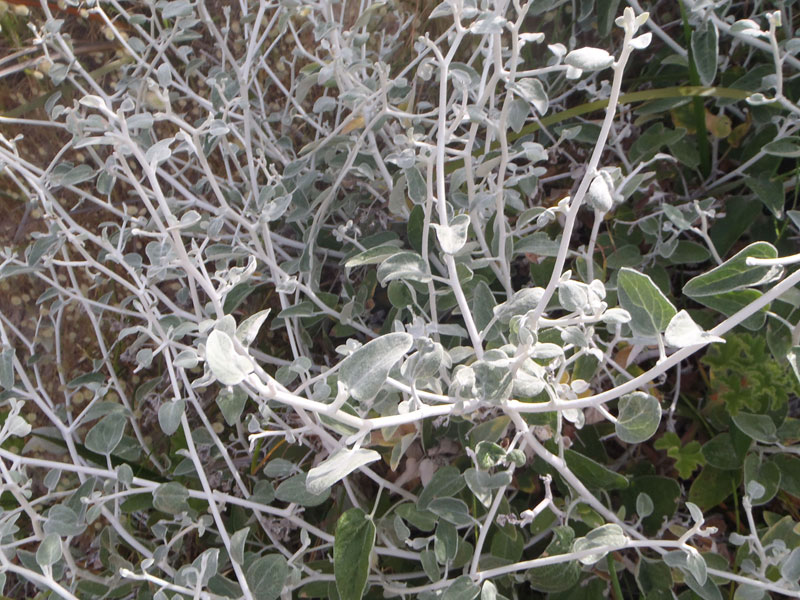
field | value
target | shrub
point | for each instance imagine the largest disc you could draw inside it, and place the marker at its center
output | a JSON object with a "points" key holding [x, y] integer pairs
{"points": [[333, 300]]}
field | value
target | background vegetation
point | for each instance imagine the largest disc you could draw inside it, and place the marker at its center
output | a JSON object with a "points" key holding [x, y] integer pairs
{"points": [[374, 299]]}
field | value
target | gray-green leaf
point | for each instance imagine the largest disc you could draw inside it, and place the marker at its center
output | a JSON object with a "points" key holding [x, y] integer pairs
{"points": [[106, 434], [169, 415], [705, 51], [171, 498], [735, 273], [49, 550], [639, 416], [650, 310], [266, 576], [366, 369], [403, 265], [606, 535]]}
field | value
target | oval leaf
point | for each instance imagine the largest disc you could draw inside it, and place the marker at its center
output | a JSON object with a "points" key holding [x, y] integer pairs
{"points": [[403, 265], [104, 437], [639, 416], [705, 51], [171, 498], [169, 415], [266, 576], [366, 369], [734, 273], [606, 535], [355, 538], [589, 59], [49, 551]]}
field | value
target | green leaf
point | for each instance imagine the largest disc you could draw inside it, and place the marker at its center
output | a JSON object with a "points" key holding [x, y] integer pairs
{"points": [[169, 415], [712, 486], [639, 416], [705, 51], [451, 509], [593, 474], [452, 237], [682, 332], [589, 59], [560, 576], [238, 540], [248, 330], [764, 472], [721, 452], [493, 376], [489, 455], [171, 498], [62, 520], [266, 576], [650, 310], [366, 369], [403, 265], [231, 403], [373, 256], [732, 302], [355, 538], [490, 431], [770, 192], [338, 466], [417, 190], [7, 367], [49, 550], [294, 490], [790, 472], [761, 428], [104, 437], [445, 482], [788, 146], [687, 457], [461, 589], [734, 273], [532, 90]]}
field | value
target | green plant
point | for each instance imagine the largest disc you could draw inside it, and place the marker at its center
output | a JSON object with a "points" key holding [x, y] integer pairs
{"points": [[358, 321]]}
